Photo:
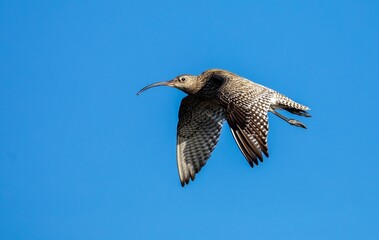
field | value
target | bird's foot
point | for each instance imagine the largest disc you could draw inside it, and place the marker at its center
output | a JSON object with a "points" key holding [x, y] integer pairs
{"points": [[296, 123]]}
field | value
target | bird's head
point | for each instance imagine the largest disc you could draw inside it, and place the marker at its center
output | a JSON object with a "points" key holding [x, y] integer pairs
{"points": [[185, 82]]}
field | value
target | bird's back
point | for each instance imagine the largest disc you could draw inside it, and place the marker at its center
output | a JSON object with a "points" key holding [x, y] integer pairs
{"points": [[240, 91]]}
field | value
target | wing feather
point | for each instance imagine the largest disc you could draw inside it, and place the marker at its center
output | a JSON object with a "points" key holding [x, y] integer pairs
{"points": [[247, 116], [199, 128]]}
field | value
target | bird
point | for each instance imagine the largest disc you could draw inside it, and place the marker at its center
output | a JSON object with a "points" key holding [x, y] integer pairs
{"points": [[216, 96]]}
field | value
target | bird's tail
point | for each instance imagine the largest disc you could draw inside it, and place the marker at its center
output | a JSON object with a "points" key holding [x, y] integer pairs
{"points": [[296, 111], [285, 103]]}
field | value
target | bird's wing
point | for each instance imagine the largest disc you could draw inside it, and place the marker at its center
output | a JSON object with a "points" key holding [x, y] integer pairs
{"points": [[246, 113], [199, 128]]}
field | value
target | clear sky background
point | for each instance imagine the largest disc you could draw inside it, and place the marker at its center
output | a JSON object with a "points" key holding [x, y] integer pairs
{"points": [[82, 157]]}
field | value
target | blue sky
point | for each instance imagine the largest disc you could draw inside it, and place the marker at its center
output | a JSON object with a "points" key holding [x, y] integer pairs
{"points": [[82, 157]]}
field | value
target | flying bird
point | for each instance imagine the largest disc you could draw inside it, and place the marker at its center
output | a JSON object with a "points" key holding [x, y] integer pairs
{"points": [[217, 95]]}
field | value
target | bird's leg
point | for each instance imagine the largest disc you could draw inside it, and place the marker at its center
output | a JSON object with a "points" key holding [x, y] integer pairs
{"points": [[290, 121]]}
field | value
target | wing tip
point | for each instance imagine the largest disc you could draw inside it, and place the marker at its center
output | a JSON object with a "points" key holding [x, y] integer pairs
{"points": [[185, 181]]}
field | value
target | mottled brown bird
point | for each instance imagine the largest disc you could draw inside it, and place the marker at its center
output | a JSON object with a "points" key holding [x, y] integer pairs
{"points": [[216, 95]]}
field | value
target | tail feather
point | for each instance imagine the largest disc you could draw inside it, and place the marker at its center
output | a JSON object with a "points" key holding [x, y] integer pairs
{"points": [[296, 111], [285, 103]]}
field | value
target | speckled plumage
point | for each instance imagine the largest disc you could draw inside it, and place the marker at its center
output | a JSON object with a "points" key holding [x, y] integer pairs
{"points": [[217, 95]]}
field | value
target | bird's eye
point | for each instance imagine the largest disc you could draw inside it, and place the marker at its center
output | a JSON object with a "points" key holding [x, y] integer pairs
{"points": [[182, 79]]}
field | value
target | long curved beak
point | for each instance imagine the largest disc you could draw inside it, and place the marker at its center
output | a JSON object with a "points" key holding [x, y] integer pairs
{"points": [[166, 83]]}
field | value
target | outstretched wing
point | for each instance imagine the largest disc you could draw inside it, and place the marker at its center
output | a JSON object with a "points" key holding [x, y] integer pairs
{"points": [[246, 113], [199, 127]]}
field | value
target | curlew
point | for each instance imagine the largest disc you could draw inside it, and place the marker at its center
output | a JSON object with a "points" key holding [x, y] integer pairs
{"points": [[217, 95]]}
